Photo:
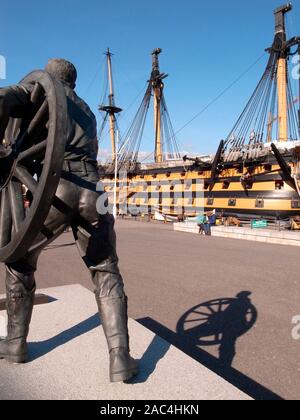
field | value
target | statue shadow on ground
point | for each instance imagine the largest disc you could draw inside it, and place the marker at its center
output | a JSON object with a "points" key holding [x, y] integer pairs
{"points": [[219, 322], [41, 348], [49, 247], [147, 364]]}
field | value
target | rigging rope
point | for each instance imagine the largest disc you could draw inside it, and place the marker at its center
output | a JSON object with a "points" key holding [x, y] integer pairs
{"points": [[256, 123], [254, 126], [221, 94], [210, 104]]}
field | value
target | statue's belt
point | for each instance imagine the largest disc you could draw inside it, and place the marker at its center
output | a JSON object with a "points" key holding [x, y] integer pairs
{"points": [[79, 166]]}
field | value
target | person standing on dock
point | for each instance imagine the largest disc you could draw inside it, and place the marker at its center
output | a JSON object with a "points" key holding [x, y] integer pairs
{"points": [[200, 219], [206, 225]]}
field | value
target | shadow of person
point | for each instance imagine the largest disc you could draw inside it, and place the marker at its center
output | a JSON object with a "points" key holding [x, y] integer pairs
{"points": [[219, 322], [41, 348], [213, 328], [234, 324]]}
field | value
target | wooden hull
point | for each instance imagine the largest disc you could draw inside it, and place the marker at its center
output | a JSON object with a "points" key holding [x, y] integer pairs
{"points": [[177, 191]]}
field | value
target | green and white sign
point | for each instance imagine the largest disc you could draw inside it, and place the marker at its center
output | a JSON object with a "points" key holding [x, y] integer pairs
{"points": [[259, 224]]}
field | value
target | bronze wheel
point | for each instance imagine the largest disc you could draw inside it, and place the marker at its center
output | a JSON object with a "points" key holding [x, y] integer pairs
{"points": [[35, 144]]}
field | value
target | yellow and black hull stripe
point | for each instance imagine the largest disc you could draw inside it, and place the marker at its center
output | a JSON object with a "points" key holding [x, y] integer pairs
{"points": [[179, 191]]}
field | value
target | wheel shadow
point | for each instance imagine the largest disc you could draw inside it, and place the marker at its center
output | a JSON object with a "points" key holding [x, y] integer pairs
{"points": [[219, 322]]}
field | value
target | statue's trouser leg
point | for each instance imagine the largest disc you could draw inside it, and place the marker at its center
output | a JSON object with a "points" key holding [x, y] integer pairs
{"points": [[20, 289], [98, 250]]}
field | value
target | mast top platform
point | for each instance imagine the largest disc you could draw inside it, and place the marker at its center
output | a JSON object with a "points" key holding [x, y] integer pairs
{"points": [[284, 9], [280, 17], [108, 53], [156, 76], [156, 51], [110, 109]]}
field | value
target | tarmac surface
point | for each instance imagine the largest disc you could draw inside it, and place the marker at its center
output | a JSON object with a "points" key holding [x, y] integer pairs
{"points": [[191, 291]]}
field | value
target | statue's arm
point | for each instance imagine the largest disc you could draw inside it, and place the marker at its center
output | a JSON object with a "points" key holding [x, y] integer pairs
{"points": [[13, 102]]}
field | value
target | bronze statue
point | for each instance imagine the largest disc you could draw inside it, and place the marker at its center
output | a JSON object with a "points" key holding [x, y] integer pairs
{"points": [[48, 143]]}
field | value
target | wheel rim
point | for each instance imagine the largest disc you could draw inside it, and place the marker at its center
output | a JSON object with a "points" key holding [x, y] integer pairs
{"points": [[37, 144]]}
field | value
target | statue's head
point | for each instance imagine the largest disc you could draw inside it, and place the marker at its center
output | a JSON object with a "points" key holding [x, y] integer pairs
{"points": [[244, 295], [62, 70]]}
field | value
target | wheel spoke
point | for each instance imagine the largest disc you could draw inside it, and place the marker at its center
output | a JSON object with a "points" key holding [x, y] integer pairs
{"points": [[39, 121], [36, 126], [33, 151], [196, 320], [12, 131], [211, 309], [17, 204], [36, 94], [5, 219], [202, 313], [26, 178]]}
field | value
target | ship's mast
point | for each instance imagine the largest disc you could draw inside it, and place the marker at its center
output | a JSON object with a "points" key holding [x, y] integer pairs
{"points": [[111, 109], [166, 146], [272, 101], [158, 87], [280, 43]]}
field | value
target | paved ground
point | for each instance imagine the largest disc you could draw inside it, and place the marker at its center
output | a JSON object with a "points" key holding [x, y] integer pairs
{"points": [[64, 365], [168, 273]]}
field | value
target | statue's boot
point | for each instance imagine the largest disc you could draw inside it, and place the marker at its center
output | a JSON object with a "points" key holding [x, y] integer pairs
{"points": [[113, 314], [19, 305]]}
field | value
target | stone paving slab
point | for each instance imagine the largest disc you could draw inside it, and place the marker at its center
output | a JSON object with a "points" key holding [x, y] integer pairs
{"points": [[69, 360]]}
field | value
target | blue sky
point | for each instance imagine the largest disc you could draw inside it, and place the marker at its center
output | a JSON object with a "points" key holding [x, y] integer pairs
{"points": [[206, 46]]}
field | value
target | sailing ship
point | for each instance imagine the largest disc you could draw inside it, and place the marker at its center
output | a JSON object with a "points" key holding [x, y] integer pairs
{"points": [[255, 171]]}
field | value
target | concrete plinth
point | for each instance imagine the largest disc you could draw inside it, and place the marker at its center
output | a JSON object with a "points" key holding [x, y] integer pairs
{"points": [[69, 360]]}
